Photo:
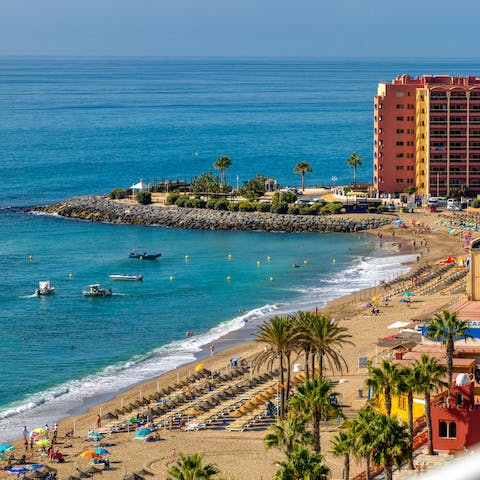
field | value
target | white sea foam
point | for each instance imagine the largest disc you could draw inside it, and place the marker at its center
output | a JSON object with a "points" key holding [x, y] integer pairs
{"points": [[55, 403]]}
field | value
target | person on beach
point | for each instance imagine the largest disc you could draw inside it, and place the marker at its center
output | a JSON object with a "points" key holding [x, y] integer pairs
{"points": [[99, 421], [47, 428], [25, 432], [212, 350]]}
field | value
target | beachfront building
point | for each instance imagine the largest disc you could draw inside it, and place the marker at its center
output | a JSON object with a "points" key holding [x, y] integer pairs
{"points": [[427, 135]]}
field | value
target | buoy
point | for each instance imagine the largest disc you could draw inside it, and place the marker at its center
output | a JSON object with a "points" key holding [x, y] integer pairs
{"points": [[305, 262], [70, 275], [228, 278], [334, 261], [258, 262], [268, 259], [196, 154], [186, 258], [141, 258], [271, 279], [170, 277], [30, 257], [229, 256]]}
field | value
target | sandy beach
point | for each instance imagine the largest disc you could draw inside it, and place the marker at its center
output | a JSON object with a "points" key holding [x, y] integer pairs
{"points": [[241, 454]]}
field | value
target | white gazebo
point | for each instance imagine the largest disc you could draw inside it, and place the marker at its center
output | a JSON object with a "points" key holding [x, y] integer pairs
{"points": [[139, 186]]}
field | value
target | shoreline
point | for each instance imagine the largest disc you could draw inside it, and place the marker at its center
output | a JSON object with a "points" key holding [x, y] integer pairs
{"points": [[344, 308]]}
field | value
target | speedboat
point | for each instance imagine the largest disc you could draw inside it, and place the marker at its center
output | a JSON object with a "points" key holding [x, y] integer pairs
{"points": [[144, 255], [44, 288], [95, 291], [134, 278]]}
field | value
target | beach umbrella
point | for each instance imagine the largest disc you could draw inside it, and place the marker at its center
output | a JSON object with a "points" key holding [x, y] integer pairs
{"points": [[89, 454], [43, 442], [102, 451], [193, 411], [7, 447], [408, 294], [24, 468], [95, 435], [142, 432], [199, 367], [39, 430]]}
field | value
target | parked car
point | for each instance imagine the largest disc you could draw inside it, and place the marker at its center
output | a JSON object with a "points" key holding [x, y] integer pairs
{"points": [[454, 207]]}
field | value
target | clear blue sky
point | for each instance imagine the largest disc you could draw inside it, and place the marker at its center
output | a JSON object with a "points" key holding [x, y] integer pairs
{"points": [[347, 28]]}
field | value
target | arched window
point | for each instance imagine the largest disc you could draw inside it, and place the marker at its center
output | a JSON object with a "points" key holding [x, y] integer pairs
{"points": [[443, 429], [452, 430], [459, 399]]}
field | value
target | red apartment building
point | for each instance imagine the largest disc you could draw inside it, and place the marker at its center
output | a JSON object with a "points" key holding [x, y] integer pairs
{"points": [[427, 135]]}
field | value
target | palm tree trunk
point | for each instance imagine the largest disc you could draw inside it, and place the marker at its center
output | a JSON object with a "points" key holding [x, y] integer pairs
{"points": [[450, 350], [429, 423], [303, 181], [410, 428], [388, 471], [316, 433], [388, 401], [354, 175], [346, 468], [313, 364], [289, 375], [320, 364], [282, 387], [307, 366], [367, 468]]}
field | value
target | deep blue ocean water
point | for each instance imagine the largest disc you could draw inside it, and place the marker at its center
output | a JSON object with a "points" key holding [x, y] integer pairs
{"points": [[82, 126]]}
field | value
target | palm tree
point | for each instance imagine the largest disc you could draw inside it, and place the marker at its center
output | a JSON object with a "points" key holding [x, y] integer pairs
{"points": [[384, 379], [391, 445], [409, 386], [189, 467], [288, 433], [446, 328], [302, 464], [363, 435], [326, 339], [276, 333], [354, 161], [313, 399], [342, 446], [429, 381], [302, 342], [222, 164], [302, 168]]}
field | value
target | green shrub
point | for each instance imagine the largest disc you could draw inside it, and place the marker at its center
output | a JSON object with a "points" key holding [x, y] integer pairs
{"points": [[264, 206], [247, 207], [182, 201], [372, 209], [294, 210], [233, 207], [211, 203], [284, 197], [172, 198], [476, 203], [118, 193], [331, 208], [307, 210], [279, 207], [197, 203], [143, 197], [221, 204], [382, 208]]}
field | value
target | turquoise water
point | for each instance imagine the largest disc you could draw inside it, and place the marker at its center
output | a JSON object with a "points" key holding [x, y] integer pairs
{"points": [[79, 126]]}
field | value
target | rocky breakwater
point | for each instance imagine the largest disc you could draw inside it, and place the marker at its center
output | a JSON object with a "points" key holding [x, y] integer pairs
{"points": [[102, 209]]}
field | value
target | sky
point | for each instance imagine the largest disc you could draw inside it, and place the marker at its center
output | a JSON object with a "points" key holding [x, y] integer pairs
{"points": [[240, 28]]}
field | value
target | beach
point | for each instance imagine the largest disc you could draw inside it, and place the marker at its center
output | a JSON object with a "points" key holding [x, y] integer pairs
{"points": [[241, 454]]}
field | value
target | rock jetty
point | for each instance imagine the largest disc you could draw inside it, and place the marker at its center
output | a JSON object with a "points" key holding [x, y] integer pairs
{"points": [[102, 209]]}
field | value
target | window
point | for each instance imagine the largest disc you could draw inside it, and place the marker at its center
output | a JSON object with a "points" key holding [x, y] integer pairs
{"points": [[410, 106], [399, 167], [447, 430], [399, 144], [400, 119], [399, 155], [459, 399], [410, 119], [443, 432], [409, 155], [409, 180], [400, 106], [399, 94], [410, 167], [410, 144], [399, 180], [399, 130], [452, 430]]}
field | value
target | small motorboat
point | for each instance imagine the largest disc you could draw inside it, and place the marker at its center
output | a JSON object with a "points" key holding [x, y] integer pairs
{"points": [[45, 288], [133, 278], [144, 255], [95, 291]]}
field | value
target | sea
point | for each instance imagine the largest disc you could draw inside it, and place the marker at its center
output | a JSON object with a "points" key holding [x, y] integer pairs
{"points": [[79, 126]]}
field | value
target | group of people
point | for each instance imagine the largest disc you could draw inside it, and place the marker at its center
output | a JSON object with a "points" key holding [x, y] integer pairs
{"points": [[55, 455]]}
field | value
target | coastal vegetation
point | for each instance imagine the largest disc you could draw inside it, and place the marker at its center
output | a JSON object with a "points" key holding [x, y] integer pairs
{"points": [[222, 164], [302, 168], [354, 161]]}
